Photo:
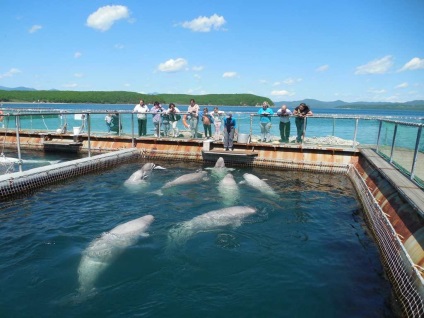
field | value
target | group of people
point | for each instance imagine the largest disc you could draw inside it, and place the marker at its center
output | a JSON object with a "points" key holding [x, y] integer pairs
{"points": [[300, 112], [168, 120]]}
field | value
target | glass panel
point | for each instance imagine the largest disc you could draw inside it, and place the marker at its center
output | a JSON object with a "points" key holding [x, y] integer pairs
{"points": [[386, 138], [403, 153], [419, 165], [367, 132]]}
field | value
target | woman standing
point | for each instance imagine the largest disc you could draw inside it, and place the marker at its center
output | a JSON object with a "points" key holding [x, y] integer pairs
{"points": [[217, 120], [174, 117], [156, 110], [207, 123], [193, 116]]}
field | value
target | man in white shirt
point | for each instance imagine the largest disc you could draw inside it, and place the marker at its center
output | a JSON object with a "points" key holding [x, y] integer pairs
{"points": [[141, 109], [284, 114], [193, 114]]}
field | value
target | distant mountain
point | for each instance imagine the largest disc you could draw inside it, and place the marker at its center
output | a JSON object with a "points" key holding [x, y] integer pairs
{"points": [[313, 103], [20, 88]]}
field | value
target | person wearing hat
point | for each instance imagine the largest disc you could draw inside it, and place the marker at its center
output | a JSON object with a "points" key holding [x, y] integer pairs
{"points": [[229, 128], [265, 114], [301, 112]]}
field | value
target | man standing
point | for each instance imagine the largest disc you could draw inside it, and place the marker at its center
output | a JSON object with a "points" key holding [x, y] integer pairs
{"points": [[229, 128], [265, 114], [301, 112], [284, 114], [141, 110], [193, 115]]}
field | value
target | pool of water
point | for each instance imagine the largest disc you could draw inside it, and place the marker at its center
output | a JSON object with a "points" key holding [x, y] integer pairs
{"points": [[304, 253]]}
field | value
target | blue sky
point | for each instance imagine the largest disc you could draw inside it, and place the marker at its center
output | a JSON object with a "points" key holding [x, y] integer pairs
{"points": [[353, 50]]}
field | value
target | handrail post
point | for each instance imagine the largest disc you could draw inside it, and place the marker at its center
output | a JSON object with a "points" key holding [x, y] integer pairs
{"points": [[251, 126], [18, 143], [304, 130], [379, 134], [334, 125], [88, 134], [132, 130], [119, 124], [393, 144], [417, 144], [355, 133]]}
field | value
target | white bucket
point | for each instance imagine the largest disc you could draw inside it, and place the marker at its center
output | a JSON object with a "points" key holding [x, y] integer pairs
{"points": [[77, 130], [207, 145], [243, 138]]}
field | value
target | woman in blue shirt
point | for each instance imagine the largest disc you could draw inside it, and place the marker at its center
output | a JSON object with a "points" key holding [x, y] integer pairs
{"points": [[265, 114]]}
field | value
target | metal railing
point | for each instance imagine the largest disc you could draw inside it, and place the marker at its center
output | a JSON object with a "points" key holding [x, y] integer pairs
{"points": [[399, 142]]}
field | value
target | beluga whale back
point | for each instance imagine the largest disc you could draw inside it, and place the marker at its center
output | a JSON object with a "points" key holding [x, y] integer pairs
{"points": [[259, 184], [232, 216], [103, 250], [228, 189]]}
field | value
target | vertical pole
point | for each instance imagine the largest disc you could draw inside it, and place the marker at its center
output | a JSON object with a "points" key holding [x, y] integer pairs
{"points": [[88, 134], [417, 144], [251, 125], [119, 124], [18, 143], [304, 130], [393, 144], [379, 134], [355, 133], [334, 125], [132, 130]]}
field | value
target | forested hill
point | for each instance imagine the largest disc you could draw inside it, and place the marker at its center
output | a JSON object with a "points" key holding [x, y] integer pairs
{"points": [[121, 97]]}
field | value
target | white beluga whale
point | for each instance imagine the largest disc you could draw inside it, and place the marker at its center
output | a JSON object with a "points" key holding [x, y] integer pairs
{"points": [[228, 189], [103, 250], [231, 216], [219, 170], [142, 174], [189, 178], [259, 184]]}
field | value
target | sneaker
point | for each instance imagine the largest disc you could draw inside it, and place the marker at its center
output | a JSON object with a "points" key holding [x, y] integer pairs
{"points": [[264, 140], [232, 149], [226, 149]]}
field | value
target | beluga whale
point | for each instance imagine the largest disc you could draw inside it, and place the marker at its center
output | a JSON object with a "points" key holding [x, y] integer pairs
{"points": [[229, 190], [141, 175], [104, 250], [231, 216], [259, 184], [189, 178], [220, 170]]}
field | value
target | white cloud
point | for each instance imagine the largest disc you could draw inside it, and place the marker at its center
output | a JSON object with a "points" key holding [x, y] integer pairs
{"points": [[106, 16], [229, 74], [77, 55], [377, 91], [71, 85], [197, 68], [291, 81], [197, 76], [173, 65], [35, 28], [414, 64], [323, 68], [78, 75], [205, 24], [403, 85], [379, 66], [10, 73], [263, 81], [276, 84], [281, 93]]}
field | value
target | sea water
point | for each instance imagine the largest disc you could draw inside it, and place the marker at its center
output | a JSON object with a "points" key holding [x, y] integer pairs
{"points": [[305, 253]]}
